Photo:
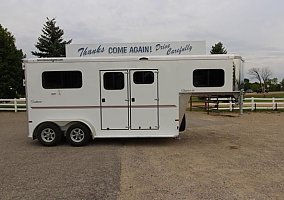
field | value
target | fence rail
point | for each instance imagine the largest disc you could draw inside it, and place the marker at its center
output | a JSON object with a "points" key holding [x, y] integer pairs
{"points": [[248, 104], [13, 104]]}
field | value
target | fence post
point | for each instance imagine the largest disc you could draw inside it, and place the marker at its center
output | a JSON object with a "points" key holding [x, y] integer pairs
{"points": [[15, 105], [252, 103], [208, 105], [231, 105], [273, 103], [190, 103], [241, 102]]}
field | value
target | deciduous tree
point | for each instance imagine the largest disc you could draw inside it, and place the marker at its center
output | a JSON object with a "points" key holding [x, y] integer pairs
{"points": [[255, 74], [260, 74], [265, 74]]}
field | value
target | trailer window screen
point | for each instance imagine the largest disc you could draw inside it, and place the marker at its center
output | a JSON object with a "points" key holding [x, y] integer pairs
{"points": [[143, 77], [113, 80], [61, 79], [208, 77]]}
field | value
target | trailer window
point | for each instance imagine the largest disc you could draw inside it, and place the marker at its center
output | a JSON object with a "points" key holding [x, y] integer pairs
{"points": [[208, 77], [143, 77], [61, 79], [113, 80]]}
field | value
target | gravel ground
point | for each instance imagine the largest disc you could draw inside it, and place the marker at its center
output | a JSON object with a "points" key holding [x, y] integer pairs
{"points": [[221, 156], [31, 171]]}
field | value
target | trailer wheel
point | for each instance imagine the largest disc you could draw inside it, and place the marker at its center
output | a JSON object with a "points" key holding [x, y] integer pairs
{"points": [[49, 134], [183, 124], [78, 134]]}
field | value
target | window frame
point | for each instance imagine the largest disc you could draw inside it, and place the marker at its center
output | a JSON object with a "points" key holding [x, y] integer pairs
{"points": [[143, 82], [114, 81], [63, 81], [211, 78]]}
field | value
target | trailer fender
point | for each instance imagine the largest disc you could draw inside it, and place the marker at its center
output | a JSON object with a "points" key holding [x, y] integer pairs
{"points": [[90, 126]]}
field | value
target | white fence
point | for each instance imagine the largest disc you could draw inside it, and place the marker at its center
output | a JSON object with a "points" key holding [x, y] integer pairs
{"points": [[250, 104], [13, 104]]}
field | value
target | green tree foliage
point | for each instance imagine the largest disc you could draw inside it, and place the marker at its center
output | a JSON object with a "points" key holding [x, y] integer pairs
{"points": [[255, 74], [218, 49], [254, 86], [282, 84], [246, 84], [11, 73], [51, 43], [273, 85]]}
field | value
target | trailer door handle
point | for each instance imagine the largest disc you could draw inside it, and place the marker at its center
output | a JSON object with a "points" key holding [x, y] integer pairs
{"points": [[103, 100], [132, 99]]}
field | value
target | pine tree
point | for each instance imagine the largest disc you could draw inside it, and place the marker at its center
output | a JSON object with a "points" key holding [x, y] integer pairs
{"points": [[51, 43], [11, 73], [218, 49]]}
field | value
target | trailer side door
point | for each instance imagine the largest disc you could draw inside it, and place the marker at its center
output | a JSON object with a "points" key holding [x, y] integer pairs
{"points": [[114, 100], [144, 99]]}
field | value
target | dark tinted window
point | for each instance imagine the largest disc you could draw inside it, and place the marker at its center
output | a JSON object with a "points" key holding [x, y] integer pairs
{"points": [[113, 80], [61, 79], [143, 77], [208, 77]]}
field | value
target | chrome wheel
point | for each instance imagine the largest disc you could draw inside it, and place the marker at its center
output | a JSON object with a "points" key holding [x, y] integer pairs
{"points": [[77, 135], [48, 135]]}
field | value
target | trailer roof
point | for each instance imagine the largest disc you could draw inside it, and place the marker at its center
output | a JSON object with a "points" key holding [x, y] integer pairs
{"points": [[134, 58]]}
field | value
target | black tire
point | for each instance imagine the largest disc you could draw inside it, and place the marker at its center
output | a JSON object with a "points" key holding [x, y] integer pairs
{"points": [[78, 134], [183, 124], [49, 134]]}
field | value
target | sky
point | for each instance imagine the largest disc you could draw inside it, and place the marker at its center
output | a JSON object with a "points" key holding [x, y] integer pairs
{"points": [[251, 28]]}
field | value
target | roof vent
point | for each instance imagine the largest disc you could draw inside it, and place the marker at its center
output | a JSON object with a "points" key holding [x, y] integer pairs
{"points": [[143, 58]]}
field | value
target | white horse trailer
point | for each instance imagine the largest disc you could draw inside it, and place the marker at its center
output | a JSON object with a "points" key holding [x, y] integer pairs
{"points": [[87, 98]]}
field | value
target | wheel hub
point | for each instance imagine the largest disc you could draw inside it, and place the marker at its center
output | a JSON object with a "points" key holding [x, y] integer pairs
{"points": [[77, 135], [48, 135]]}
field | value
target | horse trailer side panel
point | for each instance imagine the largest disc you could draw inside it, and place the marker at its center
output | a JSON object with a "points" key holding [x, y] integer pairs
{"points": [[123, 97]]}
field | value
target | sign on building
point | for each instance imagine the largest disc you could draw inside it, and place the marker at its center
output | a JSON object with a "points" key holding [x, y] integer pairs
{"points": [[136, 49]]}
